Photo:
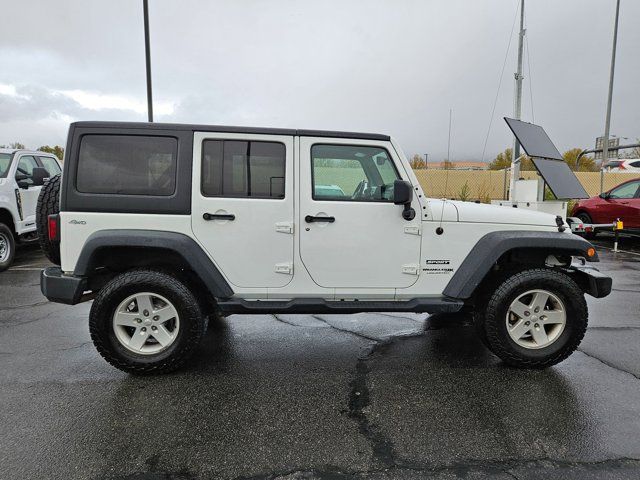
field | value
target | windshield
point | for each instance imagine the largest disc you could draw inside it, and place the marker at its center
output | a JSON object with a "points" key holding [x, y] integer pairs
{"points": [[5, 162]]}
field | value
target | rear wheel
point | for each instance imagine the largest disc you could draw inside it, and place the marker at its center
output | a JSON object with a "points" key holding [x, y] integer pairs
{"points": [[7, 247], [535, 318], [48, 204], [145, 321]]}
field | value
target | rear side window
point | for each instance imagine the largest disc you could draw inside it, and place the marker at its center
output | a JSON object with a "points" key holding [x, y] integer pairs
{"points": [[245, 169], [127, 165], [50, 165]]}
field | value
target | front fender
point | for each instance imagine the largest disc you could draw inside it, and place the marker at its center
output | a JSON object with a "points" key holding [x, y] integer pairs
{"points": [[484, 255]]}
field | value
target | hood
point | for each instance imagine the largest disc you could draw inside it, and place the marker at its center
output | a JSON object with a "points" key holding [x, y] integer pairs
{"points": [[483, 213]]}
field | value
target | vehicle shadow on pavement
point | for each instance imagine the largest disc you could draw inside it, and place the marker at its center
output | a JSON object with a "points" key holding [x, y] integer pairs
{"points": [[318, 399]]}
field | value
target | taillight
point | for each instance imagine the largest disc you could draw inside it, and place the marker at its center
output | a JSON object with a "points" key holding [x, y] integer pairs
{"points": [[54, 230]]}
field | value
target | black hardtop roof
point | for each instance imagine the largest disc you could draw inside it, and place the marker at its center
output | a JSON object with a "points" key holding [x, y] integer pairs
{"points": [[232, 129]]}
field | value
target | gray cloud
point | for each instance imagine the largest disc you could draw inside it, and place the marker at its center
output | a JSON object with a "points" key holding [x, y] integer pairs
{"points": [[379, 65]]}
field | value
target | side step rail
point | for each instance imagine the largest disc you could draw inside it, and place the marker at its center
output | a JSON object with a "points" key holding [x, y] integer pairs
{"points": [[318, 305]]}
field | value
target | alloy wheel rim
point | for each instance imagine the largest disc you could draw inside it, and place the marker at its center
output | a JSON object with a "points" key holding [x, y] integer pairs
{"points": [[536, 319], [146, 323], [4, 247]]}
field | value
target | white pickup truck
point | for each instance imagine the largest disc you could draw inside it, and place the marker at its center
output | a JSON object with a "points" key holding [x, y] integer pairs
{"points": [[22, 174]]}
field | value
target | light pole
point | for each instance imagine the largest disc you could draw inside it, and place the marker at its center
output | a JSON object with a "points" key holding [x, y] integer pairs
{"points": [[517, 109], [147, 52], [426, 160], [607, 122]]}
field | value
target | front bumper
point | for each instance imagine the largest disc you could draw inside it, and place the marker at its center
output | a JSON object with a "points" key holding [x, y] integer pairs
{"points": [[61, 288], [593, 282]]}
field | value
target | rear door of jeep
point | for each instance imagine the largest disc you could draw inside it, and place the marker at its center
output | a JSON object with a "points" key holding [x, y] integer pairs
{"points": [[242, 205]]}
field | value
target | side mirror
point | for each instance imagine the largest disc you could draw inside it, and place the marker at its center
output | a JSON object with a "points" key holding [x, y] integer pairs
{"points": [[402, 195], [604, 195], [39, 175]]}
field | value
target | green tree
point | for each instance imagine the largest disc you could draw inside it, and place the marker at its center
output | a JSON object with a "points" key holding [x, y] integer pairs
{"points": [[587, 164], [57, 150], [503, 160], [416, 162]]}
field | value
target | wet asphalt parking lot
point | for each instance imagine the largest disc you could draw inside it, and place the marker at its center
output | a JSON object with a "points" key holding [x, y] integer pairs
{"points": [[329, 396]]}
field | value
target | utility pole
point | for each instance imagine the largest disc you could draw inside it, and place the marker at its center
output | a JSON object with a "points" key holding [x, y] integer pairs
{"points": [[517, 108], [607, 122], [426, 160], [147, 52], [449, 141]]}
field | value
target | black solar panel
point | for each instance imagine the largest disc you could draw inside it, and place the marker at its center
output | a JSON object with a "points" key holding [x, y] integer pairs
{"points": [[561, 180], [533, 138], [547, 159]]}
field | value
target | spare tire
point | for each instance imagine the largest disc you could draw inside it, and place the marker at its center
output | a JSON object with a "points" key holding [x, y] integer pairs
{"points": [[48, 204]]}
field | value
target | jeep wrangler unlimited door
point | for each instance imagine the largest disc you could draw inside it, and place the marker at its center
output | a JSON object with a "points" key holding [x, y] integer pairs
{"points": [[351, 233], [243, 205]]}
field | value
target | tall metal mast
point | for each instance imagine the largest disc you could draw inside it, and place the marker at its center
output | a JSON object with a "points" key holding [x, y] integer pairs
{"points": [[607, 122], [517, 108]]}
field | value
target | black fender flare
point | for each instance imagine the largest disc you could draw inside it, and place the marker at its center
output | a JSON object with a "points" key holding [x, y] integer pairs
{"points": [[184, 246], [488, 250]]}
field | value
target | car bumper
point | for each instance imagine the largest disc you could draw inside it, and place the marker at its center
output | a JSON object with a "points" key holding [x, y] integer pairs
{"points": [[593, 282], [61, 288]]}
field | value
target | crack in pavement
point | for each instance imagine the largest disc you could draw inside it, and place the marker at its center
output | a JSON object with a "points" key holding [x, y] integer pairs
{"points": [[345, 330], [284, 321], [26, 322], [402, 316], [609, 364], [29, 305], [359, 397]]}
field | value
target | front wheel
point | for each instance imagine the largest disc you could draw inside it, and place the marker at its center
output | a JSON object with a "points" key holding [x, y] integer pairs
{"points": [[145, 321], [535, 318], [7, 247]]}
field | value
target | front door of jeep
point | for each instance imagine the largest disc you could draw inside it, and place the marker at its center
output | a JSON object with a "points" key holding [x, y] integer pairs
{"points": [[242, 207], [352, 236]]}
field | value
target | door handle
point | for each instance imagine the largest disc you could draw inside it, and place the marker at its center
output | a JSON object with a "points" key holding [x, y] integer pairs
{"points": [[311, 219], [218, 216]]}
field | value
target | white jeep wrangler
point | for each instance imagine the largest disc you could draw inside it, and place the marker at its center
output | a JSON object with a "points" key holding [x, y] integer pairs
{"points": [[22, 174], [165, 226]]}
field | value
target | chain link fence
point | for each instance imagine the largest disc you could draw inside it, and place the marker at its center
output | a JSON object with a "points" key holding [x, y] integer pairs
{"points": [[487, 185]]}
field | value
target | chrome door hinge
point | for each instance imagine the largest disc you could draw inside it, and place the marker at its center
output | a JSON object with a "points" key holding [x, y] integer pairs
{"points": [[286, 268], [411, 269], [412, 230], [284, 227]]}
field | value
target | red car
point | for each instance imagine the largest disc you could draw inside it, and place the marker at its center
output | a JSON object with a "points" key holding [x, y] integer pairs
{"points": [[621, 202]]}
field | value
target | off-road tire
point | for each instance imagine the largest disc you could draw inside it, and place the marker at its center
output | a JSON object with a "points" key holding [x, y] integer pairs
{"points": [[585, 218], [11, 245], [493, 322], [48, 204], [193, 323]]}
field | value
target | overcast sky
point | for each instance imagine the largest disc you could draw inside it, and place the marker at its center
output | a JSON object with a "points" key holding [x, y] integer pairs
{"points": [[389, 66]]}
